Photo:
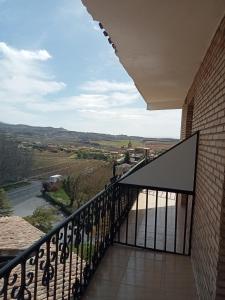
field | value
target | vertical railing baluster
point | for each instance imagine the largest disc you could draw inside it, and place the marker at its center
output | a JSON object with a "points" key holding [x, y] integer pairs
{"points": [[6, 290], [119, 218], [109, 214], [109, 204], [56, 263], [146, 218], [47, 267], [113, 212], [96, 211], [36, 260], [185, 224], [86, 269], [104, 221], [23, 281], [83, 214], [120, 201], [91, 238], [5, 287], [77, 284], [101, 206], [166, 213], [99, 225], [63, 259], [175, 229], [87, 232], [191, 224], [127, 220], [156, 213], [71, 257], [136, 217]]}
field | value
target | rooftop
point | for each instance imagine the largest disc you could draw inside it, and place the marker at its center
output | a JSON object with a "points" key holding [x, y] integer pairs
{"points": [[17, 234]]}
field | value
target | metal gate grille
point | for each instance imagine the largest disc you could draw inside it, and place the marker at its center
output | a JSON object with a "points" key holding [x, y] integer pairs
{"points": [[152, 219]]}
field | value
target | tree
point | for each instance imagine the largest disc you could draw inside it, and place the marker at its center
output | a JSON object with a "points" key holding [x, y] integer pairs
{"points": [[43, 218], [5, 207], [71, 186], [127, 158], [129, 144], [82, 186], [15, 163]]}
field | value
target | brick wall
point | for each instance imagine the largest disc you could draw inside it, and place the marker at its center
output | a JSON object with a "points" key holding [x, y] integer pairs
{"points": [[187, 117], [208, 116]]}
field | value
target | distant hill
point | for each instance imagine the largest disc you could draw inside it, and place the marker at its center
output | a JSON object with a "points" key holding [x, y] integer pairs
{"points": [[60, 135]]}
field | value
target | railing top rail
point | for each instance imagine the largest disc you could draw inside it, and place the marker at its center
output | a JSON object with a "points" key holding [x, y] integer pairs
{"points": [[158, 188]]}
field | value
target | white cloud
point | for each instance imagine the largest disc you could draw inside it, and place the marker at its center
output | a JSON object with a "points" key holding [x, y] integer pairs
{"points": [[102, 86], [12, 53], [97, 96], [99, 105], [22, 77], [131, 121]]}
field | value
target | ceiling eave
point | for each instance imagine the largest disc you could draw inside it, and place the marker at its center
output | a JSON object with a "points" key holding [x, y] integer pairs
{"points": [[161, 44]]}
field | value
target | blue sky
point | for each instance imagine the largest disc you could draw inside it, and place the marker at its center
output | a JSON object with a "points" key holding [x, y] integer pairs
{"points": [[57, 69]]}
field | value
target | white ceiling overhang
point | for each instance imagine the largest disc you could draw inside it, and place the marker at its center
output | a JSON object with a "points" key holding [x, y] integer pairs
{"points": [[160, 43], [174, 170]]}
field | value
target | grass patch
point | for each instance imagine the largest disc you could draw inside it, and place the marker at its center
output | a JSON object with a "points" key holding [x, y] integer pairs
{"points": [[60, 196]]}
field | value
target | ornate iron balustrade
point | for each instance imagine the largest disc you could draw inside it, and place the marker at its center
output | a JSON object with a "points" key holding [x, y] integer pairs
{"points": [[60, 265]]}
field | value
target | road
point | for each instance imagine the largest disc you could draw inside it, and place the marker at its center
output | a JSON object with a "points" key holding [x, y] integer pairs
{"points": [[26, 199]]}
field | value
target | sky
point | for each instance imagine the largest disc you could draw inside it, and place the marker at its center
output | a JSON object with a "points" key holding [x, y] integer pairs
{"points": [[57, 69]]}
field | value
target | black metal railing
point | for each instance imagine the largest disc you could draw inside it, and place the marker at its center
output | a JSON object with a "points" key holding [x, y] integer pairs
{"points": [[61, 264], [154, 219]]}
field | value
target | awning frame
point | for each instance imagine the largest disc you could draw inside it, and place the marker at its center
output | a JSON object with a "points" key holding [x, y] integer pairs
{"points": [[161, 188]]}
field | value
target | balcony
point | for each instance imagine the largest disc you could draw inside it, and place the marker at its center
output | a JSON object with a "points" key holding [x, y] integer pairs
{"points": [[128, 242], [135, 273]]}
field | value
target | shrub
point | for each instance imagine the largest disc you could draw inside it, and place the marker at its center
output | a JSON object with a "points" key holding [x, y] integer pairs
{"points": [[43, 218]]}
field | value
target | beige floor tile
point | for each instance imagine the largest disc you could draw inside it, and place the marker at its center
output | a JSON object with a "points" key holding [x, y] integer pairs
{"points": [[143, 275]]}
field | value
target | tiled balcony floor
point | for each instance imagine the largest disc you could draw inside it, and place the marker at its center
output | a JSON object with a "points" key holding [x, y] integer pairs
{"points": [[136, 274]]}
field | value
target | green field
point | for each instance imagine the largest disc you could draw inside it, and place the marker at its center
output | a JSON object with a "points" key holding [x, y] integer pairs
{"points": [[46, 159]]}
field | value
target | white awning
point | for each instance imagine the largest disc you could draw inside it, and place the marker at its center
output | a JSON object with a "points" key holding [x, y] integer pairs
{"points": [[174, 170]]}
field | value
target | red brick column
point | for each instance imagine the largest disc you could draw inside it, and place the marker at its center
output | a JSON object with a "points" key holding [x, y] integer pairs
{"points": [[187, 118]]}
